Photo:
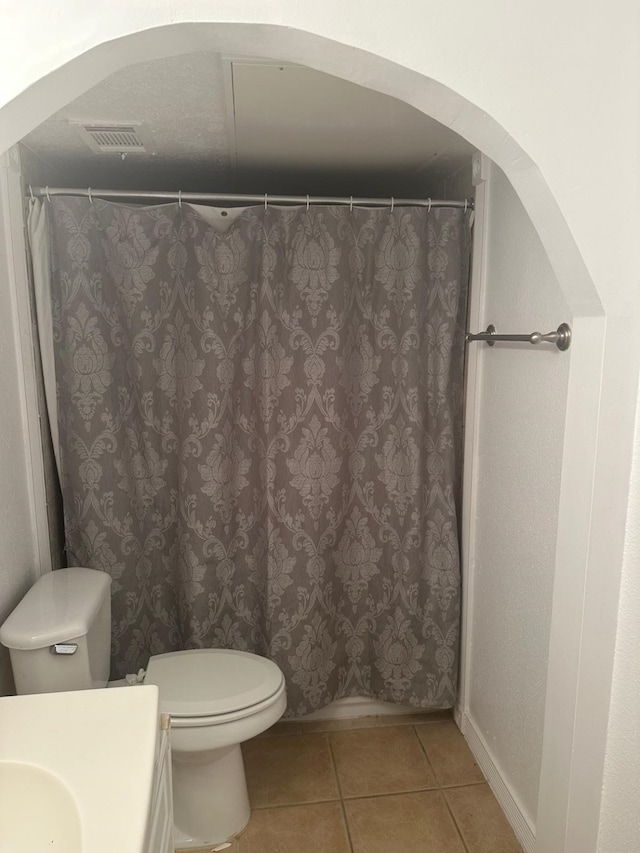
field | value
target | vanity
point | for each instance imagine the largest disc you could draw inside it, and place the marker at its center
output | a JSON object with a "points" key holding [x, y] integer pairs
{"points": [[85, 771]]}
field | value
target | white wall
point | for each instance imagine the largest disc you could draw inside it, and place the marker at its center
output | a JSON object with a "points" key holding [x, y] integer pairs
{"points": [[521, 398], [522, 65], [520, 82], [460, 183], [17, 545], [620, 826]]}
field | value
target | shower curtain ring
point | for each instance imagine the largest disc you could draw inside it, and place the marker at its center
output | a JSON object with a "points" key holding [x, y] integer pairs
{"points": [[466, 202], [33, 198], [350, 204], [46, 190], [90, 196], [429, 208], [180, 199], [307, 202], [392, 203], [265, 201]]}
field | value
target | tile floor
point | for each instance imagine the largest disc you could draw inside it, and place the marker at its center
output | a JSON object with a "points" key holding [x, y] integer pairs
{"points": [[371, 785]]}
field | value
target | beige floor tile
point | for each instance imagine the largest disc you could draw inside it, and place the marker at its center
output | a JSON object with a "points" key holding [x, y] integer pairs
{"points": [[300, 727], [380, 761], [317, 828], [484, 827], [450, 757], [414, 719], [404, 823], [287, 770]]}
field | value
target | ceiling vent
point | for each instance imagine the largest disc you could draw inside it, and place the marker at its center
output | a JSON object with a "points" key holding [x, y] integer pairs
{"points": [[115, 138]]}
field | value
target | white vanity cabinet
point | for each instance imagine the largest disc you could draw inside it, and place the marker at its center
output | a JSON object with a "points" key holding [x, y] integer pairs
{"points": [[161, 815]]}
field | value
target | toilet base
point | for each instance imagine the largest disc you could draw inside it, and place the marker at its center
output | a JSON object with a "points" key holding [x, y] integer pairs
{"points": [[210, 799]]}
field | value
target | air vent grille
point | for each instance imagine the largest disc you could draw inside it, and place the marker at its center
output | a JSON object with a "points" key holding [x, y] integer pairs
{"points": [[115, 138]]}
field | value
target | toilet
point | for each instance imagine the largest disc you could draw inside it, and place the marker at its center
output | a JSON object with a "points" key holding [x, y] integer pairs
{"points": [[59, 639]]}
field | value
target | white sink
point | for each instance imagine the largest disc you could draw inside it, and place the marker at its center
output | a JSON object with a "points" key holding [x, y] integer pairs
{"points": [[57, 825], [76, 770]]}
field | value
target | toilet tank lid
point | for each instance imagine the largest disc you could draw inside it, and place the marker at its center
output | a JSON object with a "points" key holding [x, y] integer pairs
{"points": [[60, 606]]}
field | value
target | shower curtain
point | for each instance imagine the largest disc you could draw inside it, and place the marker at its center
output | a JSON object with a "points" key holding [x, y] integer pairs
{"points": [[259, 433]]}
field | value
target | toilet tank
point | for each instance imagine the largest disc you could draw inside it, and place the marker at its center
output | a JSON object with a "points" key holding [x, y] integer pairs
{"points": [[59, 635]]}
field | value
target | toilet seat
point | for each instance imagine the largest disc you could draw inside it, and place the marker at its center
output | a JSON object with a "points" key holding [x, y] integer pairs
{"points": [[200, 687], [178, 722]]}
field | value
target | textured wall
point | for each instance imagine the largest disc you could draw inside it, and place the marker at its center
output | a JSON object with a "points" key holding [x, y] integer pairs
{"points": [[620, 827], [17, 560], [522, 393]]}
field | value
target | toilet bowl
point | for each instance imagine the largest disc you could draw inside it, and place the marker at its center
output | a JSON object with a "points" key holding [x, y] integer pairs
{"points": [[217, 699], [58, 639]]}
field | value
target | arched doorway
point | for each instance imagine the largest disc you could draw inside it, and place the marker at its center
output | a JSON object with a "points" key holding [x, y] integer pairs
{"points": [[485, 133]]}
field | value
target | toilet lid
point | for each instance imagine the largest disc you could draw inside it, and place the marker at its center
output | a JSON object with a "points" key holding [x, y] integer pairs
{"points": [[205, 682]]}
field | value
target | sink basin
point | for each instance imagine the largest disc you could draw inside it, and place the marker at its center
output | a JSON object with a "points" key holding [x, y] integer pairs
{"points": [[76, 770], [57, 826]]}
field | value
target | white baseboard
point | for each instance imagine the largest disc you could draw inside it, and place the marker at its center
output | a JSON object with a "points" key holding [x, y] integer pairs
{"points": [[520, 823]]}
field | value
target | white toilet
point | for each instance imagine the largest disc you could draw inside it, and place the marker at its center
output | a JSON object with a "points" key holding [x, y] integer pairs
{"points": [[58, 639]]}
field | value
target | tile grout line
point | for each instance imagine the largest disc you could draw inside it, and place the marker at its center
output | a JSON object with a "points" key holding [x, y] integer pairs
{"points": [[333, 730], [455, 822], [442, 792], [426, 755], [389, 794], [342, 808], [294, 805]]}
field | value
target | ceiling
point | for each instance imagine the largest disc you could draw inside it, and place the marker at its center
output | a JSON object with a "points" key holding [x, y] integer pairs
{"points": [[228, 124]]}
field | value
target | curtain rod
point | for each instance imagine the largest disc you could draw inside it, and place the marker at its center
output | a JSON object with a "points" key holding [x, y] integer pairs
{"points": [[561, 337], [223, 198]]}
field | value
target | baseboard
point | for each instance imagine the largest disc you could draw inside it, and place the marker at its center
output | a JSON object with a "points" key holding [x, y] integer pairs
{"points": [[508, 802]]}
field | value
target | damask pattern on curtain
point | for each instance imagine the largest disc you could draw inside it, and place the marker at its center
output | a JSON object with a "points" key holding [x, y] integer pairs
{"points": [[260, 422]]}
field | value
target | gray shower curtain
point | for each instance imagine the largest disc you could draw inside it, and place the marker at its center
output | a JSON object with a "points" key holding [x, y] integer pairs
{"points": [[259, 435]]}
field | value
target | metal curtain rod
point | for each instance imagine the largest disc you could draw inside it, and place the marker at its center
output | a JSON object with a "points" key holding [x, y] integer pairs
{"points": [[223, 198], [561, 337]]}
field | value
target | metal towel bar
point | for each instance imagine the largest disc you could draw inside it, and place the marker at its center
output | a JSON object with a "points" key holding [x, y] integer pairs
{"points": [[561, 337]]}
